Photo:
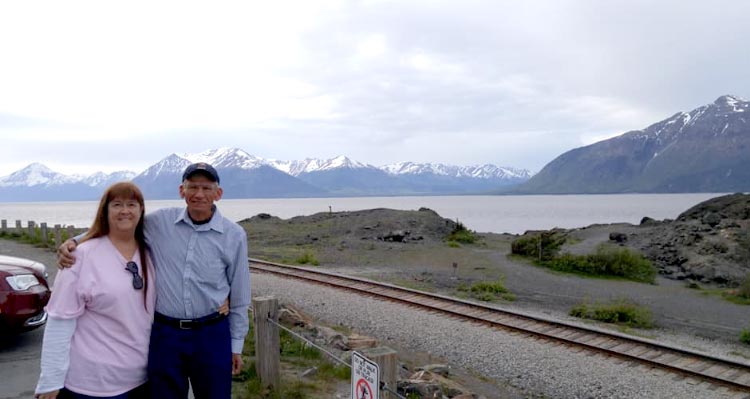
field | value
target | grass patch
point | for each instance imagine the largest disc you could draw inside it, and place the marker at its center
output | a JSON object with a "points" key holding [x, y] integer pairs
{"points": [[418, 285], [488, 291], [621, 312], [745, 336], [731, 296], [739, 295], [36, 237], [453, 244]]}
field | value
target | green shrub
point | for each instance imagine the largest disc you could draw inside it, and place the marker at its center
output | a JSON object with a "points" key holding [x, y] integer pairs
{"points": [[461, 234], [550, 243], [488, 291], [622, 312], [619, 262], [745, 336], [308, 258], [494, 287], [453, 244]]}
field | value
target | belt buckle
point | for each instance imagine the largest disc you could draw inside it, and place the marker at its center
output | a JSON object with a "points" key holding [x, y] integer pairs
{"points": [[185, 324]]}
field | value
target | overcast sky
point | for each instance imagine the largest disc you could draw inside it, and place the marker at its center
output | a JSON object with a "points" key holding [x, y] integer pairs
{"points": [[89, 86]]}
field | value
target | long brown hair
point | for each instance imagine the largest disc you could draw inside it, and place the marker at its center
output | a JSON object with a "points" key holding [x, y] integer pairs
{"points": [[100, 227]]}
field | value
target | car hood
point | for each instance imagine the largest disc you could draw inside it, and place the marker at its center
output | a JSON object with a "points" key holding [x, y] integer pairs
{"points": [[13, 265]]}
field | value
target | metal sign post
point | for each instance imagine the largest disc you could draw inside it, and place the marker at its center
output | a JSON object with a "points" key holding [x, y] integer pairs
{"points": [[365, 378]]}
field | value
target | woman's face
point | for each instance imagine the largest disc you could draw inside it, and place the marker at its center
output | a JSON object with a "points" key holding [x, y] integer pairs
{"points": [[124, 214]]}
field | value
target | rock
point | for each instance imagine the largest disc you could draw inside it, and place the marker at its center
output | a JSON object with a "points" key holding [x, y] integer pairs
{"points": [[647, 221], [357, 342], [311, 372], [453, 393], [332, 337], [291, 315], [440, 369], [426, 390], [618, 237], [712, 219], [394, 236]]}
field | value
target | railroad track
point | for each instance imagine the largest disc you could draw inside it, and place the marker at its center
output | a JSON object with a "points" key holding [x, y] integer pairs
{"points": [[715, 370]]}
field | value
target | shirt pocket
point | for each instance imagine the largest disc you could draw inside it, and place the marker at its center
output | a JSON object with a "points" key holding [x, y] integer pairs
{"points": [[213, 273]]}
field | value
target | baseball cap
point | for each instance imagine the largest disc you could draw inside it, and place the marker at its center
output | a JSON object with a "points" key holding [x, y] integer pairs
{"points": [[201, 167]]}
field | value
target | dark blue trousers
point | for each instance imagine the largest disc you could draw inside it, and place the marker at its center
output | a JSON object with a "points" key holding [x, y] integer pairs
{"points": [[140, 392], [202, 355]]}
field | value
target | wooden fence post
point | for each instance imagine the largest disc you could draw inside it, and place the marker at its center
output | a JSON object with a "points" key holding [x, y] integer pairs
{"points": [[71, 231], [5, 226], [45, 234], [19, 228], [267, 341], [387, 360], [31, 228], [58, 236]]}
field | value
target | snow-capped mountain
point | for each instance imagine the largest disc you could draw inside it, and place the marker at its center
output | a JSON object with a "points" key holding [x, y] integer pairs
{"points": [[486, 171], [308, 165], [37, 182], [226, 157], [101, 179], [36, 174], [704, 150], [247, 176]]}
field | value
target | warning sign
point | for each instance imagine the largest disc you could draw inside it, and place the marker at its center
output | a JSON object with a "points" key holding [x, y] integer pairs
{"points": [[365, 378]]}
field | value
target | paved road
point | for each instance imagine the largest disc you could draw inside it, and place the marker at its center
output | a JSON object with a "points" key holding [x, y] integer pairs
{"points": [[19, 355], [19, 364]]}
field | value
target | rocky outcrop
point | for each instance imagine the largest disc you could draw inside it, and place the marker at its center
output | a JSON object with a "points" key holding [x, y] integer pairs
{"points": [[709, 242]]}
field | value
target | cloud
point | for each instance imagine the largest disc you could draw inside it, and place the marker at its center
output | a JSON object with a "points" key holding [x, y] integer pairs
{"points": [[478, 81]]}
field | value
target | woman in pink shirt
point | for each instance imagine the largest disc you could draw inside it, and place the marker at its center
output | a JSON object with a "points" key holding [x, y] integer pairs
{"points": [[100, 314]]}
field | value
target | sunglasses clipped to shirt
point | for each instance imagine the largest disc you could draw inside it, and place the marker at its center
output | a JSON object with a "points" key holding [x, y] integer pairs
{"points": [[132, 267]]}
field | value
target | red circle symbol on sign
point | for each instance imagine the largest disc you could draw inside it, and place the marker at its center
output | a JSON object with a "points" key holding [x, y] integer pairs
{"points": [[363, 390]]}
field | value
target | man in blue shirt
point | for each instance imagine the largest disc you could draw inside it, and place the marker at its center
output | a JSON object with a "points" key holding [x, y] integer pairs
{"points": [[200, 259]]}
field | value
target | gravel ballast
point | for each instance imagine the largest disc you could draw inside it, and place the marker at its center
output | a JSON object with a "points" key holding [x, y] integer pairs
{"points": [[537, 367]]}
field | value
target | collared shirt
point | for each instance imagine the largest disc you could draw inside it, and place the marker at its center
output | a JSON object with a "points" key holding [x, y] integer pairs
{"points": [[197, 267]]}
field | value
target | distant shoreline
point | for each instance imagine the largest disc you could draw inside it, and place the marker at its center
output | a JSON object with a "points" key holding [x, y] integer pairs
{"points": [[496, 214]]}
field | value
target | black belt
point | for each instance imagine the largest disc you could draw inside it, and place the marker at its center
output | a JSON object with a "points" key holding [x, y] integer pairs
{"points": [[189, 324]]}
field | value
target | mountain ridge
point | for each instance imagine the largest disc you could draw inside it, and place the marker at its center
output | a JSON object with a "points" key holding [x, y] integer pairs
{"points": [[248, 176], [703, 150]]}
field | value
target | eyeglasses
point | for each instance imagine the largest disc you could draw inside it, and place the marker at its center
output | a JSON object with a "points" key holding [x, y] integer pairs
{"points": [[137, 279]]}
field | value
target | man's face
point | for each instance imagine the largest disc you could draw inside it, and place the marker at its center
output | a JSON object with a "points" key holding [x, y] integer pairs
{"points": [[200, 193]]}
